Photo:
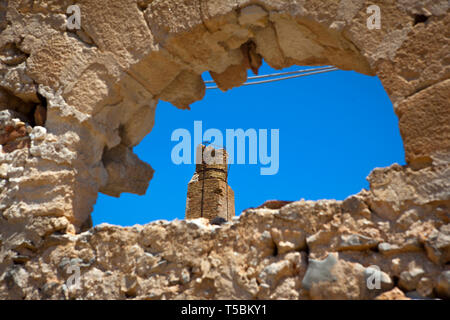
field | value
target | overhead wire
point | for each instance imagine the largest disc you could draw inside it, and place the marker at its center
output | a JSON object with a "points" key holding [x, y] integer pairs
{"points": [[296, 74], [281, 73]]}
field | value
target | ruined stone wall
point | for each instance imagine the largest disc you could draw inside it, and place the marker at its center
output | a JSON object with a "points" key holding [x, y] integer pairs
{"points": [[100, 86]]}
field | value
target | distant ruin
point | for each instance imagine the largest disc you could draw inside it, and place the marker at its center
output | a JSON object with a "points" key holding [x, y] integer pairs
{"points": [[209, 195]]}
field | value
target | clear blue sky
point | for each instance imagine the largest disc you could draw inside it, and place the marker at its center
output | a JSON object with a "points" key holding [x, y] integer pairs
{"points": [[334, 129]]}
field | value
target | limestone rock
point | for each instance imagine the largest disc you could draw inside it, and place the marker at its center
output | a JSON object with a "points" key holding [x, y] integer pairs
{"points": [[443, 286], [274, 204], [288, 240], [73, 104], [431, 134], [253, 15], [185, 89], [333, 278], [319, 271], [233, 76], [14, 133], [126, 173], [409, 279], [356, 242], [438, 245], [394, 294]]}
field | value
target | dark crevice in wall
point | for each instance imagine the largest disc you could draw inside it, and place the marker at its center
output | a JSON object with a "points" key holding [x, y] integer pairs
{"points": [[275, 250], [420, 18], [17, 119], [143, 4], [3, 21], [306, 250], [218, 221], [395, 280], [40, 111], [42, 99], [87, 225], [12, 55]]}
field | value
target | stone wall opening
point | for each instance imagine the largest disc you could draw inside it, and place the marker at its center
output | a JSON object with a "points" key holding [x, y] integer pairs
{"points": [[101, 96], [101, 85], [275, 106], [240, 38]]}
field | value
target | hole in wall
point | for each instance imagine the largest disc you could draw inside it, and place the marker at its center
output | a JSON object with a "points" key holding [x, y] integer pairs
{"points": [[334, 129], [395, 280], [275, 250], [17, 119], [420, 18], [374, 249]]}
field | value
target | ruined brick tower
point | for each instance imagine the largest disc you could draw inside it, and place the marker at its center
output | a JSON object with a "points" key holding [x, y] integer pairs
{"points": [[209, 195]]}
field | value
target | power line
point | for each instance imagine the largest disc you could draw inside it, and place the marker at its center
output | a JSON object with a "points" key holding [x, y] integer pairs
{"points": [[284, 78], [282, 73]]}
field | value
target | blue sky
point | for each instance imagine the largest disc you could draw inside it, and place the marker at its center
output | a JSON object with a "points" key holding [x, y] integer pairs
{"points": [[334, 128]]}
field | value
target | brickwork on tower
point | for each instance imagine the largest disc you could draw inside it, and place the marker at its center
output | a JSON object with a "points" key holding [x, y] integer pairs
{"points": [[209, 195]]}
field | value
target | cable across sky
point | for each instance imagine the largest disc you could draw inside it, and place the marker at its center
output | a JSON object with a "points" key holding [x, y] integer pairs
{"points": [[287, 75]]}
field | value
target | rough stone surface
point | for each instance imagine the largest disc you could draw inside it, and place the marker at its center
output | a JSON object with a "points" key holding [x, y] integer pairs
{"points": [[126, 173], [196, 259], [394, 294], [74, 103], [443, 285]]}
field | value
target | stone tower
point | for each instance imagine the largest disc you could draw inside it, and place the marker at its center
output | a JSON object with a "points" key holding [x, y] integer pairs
{"points": [[209, 195]]}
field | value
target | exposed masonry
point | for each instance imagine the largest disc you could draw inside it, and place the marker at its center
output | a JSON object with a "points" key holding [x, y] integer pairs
{"points": [[14, 133], [209, 196], [73, 107], [17, 119]]}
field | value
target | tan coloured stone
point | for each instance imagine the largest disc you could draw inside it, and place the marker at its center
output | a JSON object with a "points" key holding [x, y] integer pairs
{"points": [[233, 76], [40, 115], [253, 16], [267, 46], [394, 294], [101, 85], [126, 173], [209, 196], [187, 88], [437, 245], [424, 120], [288, 240], [443, 286], [332, 278]]}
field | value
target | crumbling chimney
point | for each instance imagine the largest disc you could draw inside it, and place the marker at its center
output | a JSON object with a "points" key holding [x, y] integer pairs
{"points": [[209, 195]]}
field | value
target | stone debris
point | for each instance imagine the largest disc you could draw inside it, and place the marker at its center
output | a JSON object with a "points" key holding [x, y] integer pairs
{"points": [[443, 285], [394, 294], [14, 133], [319, 271], [196, 259], [356, 242]]}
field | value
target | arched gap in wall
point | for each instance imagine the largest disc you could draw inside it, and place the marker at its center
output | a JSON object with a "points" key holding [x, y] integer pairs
{"points": [[334, 128]]}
